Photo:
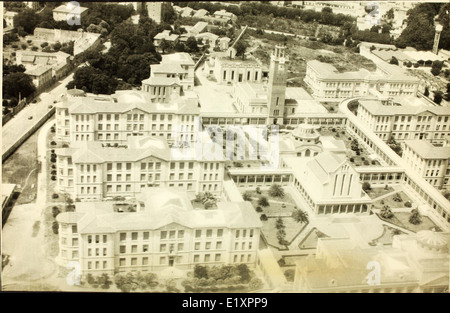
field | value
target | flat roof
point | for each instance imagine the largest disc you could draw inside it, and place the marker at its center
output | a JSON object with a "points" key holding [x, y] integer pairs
{"points": [[426, 150]]}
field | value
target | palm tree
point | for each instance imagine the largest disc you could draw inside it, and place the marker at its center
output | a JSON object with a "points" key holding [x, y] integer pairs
{"points": [[300, 216], [276, 191]]}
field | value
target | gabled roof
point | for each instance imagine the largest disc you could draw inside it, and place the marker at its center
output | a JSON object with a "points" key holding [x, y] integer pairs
{"points": [[426, 150]]}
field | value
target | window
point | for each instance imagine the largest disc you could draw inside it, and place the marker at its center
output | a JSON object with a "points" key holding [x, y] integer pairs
{"points": [[145, 261], [74, 242], [198, 233], [209, 233], [172, 234], [207, 257], [146, 235], [180, 247], [196, 258], [217, 257], [219, 232], [162, 248], [134, 236], [197, 246], [163, 234], [180, 234], [162, 260], [123, 236], [144, 248], [219, 245]]}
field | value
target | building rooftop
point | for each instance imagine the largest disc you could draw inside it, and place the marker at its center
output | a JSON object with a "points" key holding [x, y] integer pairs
{"points": [[182, 58], [68, 8], [375, 107], [426, 150], [160, 207], [126, 100], [38, 70]]}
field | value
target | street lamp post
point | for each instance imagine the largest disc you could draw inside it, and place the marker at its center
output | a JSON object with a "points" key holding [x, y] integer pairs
{"points": [[437, 36]]}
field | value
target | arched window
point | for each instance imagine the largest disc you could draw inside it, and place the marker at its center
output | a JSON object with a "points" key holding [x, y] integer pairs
{"points": [[307, 153]]}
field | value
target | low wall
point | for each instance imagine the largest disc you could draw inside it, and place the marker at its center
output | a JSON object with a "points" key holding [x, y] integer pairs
{"points": [[25, 136]]}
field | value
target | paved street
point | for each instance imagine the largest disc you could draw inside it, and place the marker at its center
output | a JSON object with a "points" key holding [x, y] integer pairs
{"points": [[14, 129]]}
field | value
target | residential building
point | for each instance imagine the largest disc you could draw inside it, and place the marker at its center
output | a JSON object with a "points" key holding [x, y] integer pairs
{"points": [[175, 72], [92, 171], [9, 18], [41, 75], [60, 62], [208, 39], [414, 263], [163, 231], [166, 35], [112, 119], [405, 118], [227, 16], [66, 12], [429, 161], [327, 83], [154, 10]]}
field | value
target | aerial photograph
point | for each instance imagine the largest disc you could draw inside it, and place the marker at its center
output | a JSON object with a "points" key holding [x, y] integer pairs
{"points": [[225, 147]]}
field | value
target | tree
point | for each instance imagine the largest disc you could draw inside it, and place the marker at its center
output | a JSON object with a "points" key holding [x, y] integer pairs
{"points": [[17, 85], [279, 224], [366, 186], [163, 45], [437, 97], [300, 216], [200, 271], [276, 191], [393, 61], [191, 44], [241, 46], [27, 20], [70, 206], [415, 218], [386, 212], [426, 93], [255, 284], [436, 67], [244, 272], [262, 201], [390, 14], [247, 196]]}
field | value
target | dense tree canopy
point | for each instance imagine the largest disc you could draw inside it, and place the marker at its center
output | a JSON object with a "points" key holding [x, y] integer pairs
{"points": [[420, 29], [17, 83]]}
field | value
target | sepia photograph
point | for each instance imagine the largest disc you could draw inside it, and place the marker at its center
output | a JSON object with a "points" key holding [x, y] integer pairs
{"points": [[240, 148]]}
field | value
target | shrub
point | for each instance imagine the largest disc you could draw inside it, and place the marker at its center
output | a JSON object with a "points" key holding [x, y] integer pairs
{"points": [[53, 166], [65, 145], [34, 48], [374, 162], [366, 162], [53, 160], [258, 190], [14, 46], [416, 65], [44, 44], [53, 143], [290, 274], [276, 191], [386, 212], [366, 186], [408, 204], [55, 227], [29, 41], [397, 198], [263, 217], [53, 172], [262, 201], [247, 196], [55, 196], [24, 46], [55, 211], [259, 209], [53, 177], [415, 218], [352, 160]]}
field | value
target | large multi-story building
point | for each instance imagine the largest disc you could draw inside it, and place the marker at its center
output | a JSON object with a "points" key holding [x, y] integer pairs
{"points": [[93, 171], [328, 83], [414, 263], [112, 119], [403, 120], [160, 230], [429, 161]]}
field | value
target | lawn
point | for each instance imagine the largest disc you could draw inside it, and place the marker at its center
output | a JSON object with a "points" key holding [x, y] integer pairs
{"points": [[311, 239], [391, 203], [270, 231], [378, 192], [51, 239], [277, 206], [21, 169], [387, 236], [402, 219]]}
